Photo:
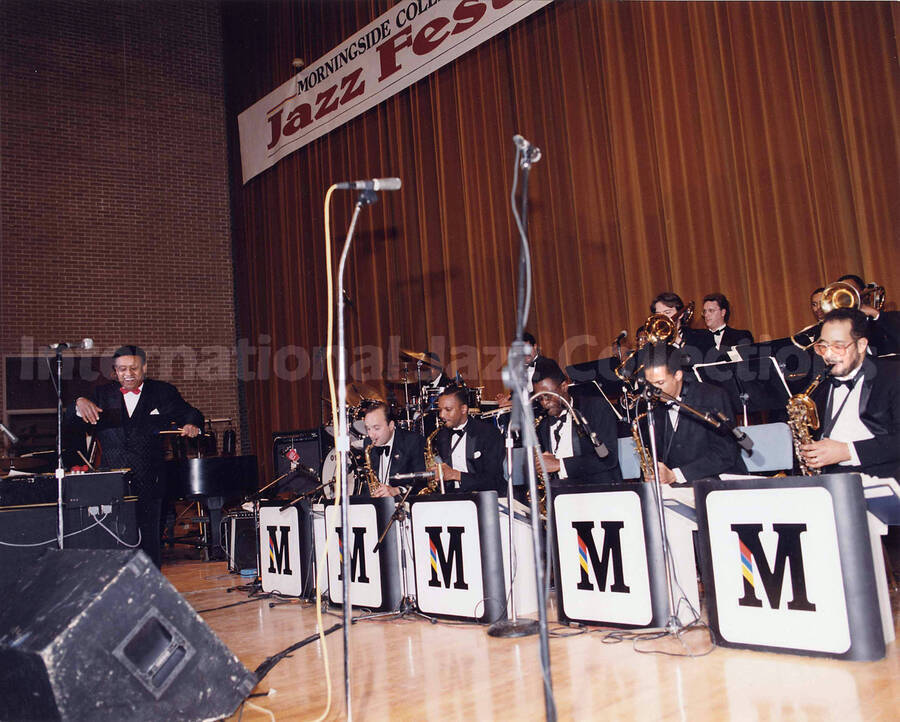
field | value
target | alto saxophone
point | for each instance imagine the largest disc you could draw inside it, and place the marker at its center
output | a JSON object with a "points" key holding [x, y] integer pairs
{"points": [[803, 419], [431, 462], [371, 476]]}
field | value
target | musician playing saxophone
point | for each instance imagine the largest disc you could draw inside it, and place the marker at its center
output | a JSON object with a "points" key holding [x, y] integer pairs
{"points": [[392, 450], [859, 410], [687, 448], [568, 451]]}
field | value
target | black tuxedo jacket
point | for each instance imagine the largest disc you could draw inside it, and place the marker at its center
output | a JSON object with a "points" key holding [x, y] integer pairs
{"points": [[484, 456], [705, 341], [879, 410], [584, 465], [134, 442], [697, 448], [407, 454], [884, 333]]}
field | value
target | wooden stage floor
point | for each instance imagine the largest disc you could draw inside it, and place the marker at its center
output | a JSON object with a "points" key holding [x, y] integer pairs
{"points": [[411, 669]]}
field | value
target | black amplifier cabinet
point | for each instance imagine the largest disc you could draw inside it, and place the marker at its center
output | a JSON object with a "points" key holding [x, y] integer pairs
{"points": [[308, 444]]}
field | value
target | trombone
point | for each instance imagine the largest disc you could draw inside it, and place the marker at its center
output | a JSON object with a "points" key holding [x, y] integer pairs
{"points": [[841, 294]]}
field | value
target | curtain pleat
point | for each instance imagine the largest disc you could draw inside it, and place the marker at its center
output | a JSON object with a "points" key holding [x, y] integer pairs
{"points": [[746, 148]]}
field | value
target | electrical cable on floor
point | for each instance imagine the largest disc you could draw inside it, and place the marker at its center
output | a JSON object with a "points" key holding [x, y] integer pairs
{"points": [[267, 664], [234, 604]]}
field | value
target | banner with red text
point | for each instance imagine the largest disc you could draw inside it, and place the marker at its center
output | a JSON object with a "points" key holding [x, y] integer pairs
{"points": [[405, 44]]}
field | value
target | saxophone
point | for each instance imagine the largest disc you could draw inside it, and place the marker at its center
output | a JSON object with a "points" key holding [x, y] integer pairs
{"points": [[539, 481], [803, 419], [371, 476], [643, 455], [431, 462]]}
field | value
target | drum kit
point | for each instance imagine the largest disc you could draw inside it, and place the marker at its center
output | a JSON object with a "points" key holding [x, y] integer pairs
{"points": [[417, 412]]}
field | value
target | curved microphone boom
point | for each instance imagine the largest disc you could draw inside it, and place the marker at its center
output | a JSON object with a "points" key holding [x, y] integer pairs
{"points": [[375, 184]]}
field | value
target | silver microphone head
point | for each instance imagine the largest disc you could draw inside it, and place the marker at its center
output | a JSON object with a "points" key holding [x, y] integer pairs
{"points": [[386, 184]]}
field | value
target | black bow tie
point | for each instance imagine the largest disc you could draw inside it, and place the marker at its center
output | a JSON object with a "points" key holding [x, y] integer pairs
{"points": [[378, 450], [457, 432], [719, 332], [849, 383]]}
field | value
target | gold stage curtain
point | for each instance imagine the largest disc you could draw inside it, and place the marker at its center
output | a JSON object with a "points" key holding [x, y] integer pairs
{"points": [[747, 148]]}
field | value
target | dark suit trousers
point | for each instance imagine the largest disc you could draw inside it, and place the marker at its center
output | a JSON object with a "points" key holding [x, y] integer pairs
{"points": [[148, 512]]}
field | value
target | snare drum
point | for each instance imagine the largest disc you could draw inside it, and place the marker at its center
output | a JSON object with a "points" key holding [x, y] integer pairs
{"points": [[329, 471]]}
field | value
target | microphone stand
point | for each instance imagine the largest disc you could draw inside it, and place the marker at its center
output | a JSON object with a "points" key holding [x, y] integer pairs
{"points": [[652, 394], [342, 441], [673, 623], [522, 421], [60, 469]]}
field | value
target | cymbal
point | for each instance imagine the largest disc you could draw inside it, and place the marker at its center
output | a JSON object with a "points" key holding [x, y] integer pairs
{"points": [[416, 356], [357, 391], [401, 381]]}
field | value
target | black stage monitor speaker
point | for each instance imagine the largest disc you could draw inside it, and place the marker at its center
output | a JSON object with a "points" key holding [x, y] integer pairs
{"points": [[102, 635]]}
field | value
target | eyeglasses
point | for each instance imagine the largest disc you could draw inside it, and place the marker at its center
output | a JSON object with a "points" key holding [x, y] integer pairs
{"points": [[822, 347]]}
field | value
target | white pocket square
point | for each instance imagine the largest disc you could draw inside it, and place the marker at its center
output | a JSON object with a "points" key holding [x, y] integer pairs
{"points": [[155, 412], [477, 455]]}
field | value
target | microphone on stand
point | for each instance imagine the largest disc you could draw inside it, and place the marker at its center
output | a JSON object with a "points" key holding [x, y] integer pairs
{"points": [[376, 184], [413, 476], [531, 152], [85, 343], [292, 456], [599, 447], [623, 334]]}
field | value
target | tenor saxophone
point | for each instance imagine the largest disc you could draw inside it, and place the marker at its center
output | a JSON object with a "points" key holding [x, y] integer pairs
{"points": [[540, 482], [644, 456], [431, 462], [803, 419]]}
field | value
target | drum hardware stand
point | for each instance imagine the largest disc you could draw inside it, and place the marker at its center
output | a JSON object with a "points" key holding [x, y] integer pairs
{"points": [[407, 603]]}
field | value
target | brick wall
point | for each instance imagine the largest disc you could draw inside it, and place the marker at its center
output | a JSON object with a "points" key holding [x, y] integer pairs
{"points": [[114, 188]]}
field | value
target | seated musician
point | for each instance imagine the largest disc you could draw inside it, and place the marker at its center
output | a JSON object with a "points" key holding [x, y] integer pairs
{"points": [[434, 377], [392, 450], [533, 353], [883, 330], [688, 448], [815, 304], [859, 410], [718, 334], [670, 304], [471, 450], [128, 416], [568, 452]]}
